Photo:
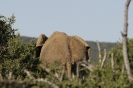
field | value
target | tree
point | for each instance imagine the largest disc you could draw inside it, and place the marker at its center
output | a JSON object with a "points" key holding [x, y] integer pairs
{"points": [[6, 32], [124, 41]]}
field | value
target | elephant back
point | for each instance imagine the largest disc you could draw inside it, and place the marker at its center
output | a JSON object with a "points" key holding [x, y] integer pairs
{"points": [[56, 49]]}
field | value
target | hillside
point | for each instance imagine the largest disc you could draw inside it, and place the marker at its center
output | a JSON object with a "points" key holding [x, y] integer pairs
{"points": [[93, 45], [26, 38]]}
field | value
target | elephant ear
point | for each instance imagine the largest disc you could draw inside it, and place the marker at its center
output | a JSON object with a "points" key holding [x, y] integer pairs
{"points": [[85, 43], [41, 40], [77, 49]]}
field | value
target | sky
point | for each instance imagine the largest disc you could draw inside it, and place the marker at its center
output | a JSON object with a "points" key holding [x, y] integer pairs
{"points": [[92, 20]]}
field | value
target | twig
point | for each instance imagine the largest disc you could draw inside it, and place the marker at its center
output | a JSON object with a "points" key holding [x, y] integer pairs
{"points": [[112, 61], [99, 49], [48, 71], [104, 58], [1, 78], [40, 80], [29, 75], [62, 75], [123, 68], [86, 65], [90, 67], [10, 75]]}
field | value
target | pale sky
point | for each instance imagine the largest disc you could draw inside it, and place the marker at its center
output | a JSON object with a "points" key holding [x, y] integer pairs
{"points": [[92, 20]]}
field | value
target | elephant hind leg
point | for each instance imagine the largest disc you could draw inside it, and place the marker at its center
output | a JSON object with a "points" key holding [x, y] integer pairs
{"points": [[68, 66]]}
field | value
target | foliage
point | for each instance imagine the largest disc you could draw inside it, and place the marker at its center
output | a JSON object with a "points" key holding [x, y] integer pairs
{"points": [[118, 55], [18, 55], [6, 32]]}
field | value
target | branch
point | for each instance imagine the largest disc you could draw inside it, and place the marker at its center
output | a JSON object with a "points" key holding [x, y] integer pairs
{"points": [[40, 80], [112, 61], [99, 49], [10, 75], [48, 71], [123, 68], [124, 41], [62, 75], [104, 58], [29, 75], [90, 67], [55, 75], [1, 78]]}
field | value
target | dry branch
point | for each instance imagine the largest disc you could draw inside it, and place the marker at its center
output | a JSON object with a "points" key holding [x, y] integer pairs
{"points": [[123, 68], [1, 78], [124, 41], [87, 65], [104, 58], [55, 75], [10, 75], [90, 67], [112, 61], [40, 80], [62, 75], [99, 49]]}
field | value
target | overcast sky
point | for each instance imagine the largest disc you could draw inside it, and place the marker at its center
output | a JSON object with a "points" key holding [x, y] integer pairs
{"points": [[101, 20]]}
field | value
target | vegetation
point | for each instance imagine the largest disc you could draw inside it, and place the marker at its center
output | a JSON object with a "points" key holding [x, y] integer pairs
{"points": [[20, 68]]}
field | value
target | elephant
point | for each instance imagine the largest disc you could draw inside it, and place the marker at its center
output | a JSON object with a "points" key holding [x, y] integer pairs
{"points": [[64, 49]]}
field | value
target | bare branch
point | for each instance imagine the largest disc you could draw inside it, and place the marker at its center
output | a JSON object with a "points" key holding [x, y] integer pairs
{"points": [[104, 58], [55, 75], [112, 61], [48, 71], [90, 67], [77, 70], [99, 49], [62, 75], [10, 75], [29, 75], [40, 80], [124, 41], [123, 68], [1, 78]]}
